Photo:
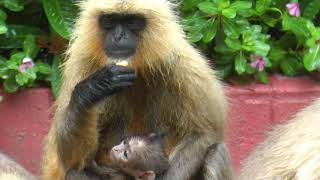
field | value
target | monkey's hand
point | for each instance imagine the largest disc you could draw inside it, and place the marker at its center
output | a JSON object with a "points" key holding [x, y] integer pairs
{"points": [[147, 175], [103, 83]]}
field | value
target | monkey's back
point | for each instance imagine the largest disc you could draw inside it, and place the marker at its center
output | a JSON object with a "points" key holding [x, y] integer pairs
{"points": [[290, 152]]}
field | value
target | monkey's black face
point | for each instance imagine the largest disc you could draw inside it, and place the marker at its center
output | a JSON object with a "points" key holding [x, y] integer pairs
{"points": [[121, 34]]}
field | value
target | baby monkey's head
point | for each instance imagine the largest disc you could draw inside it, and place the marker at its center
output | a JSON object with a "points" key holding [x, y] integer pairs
{"points": [[140, 153]]}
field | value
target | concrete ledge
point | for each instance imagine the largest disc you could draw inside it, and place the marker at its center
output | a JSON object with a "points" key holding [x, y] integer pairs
{"points": [[25, 117], [24, 121]]}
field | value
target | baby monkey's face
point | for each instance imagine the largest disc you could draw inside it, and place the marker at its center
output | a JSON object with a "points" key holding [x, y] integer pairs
{"points": [[126, 151]]}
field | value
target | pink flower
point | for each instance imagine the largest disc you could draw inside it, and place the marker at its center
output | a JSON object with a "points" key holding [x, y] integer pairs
{"points": [[294, 9], [258, 62], [26, 63]]}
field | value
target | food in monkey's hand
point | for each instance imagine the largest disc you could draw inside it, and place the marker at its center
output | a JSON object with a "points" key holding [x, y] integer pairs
{"points": [[122, 63]]}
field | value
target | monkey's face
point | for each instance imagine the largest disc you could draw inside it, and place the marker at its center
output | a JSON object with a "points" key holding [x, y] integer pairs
{"points": [[127, 151], [121, 34]]}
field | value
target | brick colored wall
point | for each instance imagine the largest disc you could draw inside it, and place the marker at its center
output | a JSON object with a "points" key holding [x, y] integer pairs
{"points": [[25, 117]]}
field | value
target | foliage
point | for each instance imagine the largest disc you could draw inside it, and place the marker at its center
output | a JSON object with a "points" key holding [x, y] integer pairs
{"points": [[38, 31], [245, 38], [231, 32]]}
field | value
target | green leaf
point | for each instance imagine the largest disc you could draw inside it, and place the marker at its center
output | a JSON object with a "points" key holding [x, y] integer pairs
{"points": [[22, 79], [229, 13], [208, 7], [222, 48], [25, 77], [17, 57], [16, 35], [241, 5], [210, 31], [296, 25], [42, 68], [189, 6], [30, 46], [224, 71], [235, 7], [15, 61], [254, 41], [311, 9], [247, 12], [270, 21], [287, 68], [277, 54], [222, 4], [250, 69], [261, 48], [291, 67], [230, 28], [234, 44], [2, 60], [311, 59], [3, 27], [56, 75], [196, 37], [263, 77], [262, 6], [10, 85], [195, 24], [13, 5], [61, 15], [240, 64], [3, 15]]}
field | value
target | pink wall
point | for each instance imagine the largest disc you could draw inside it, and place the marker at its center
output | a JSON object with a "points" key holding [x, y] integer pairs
{"points": [[24, 117]]}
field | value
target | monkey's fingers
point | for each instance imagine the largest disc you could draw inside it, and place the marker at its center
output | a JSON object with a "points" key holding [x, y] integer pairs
{"points": [[120, 69], [126, 77], [122, 85]]}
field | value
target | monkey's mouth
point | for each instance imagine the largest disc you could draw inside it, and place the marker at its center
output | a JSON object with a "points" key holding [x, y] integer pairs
{"points": [[120, 54]]}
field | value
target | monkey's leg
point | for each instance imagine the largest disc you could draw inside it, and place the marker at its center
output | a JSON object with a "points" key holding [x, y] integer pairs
{"points": [[188, 157], [217, 164], [76, 132], [81, 175]]}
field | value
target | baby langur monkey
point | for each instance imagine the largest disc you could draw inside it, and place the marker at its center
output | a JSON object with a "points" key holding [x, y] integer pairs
{"points": [[139, 156]]}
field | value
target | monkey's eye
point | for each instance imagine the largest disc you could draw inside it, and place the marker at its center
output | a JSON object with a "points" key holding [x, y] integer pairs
{"points": [[136, 25], [125, 154], [108, 25], [124, 142]]}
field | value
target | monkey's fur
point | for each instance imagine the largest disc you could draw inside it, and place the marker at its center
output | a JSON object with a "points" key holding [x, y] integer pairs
{"points": [[176, 91], [10, 170], [290, 152]]}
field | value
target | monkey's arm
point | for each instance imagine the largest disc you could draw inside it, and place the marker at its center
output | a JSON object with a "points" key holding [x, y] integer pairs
{"points": [[188, 157], [113, 173], [76, 124], [201, 118]]}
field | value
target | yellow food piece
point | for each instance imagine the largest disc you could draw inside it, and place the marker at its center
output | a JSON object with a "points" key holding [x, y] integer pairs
{"points": [[122, 63]]}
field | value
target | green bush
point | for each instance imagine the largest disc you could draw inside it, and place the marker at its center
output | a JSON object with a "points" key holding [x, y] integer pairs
{"points": [[249, 39], [32, 38], [245, 39]]}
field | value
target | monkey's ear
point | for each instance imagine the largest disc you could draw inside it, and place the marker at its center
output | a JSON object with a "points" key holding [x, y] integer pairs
{"points": [[156, 136]]}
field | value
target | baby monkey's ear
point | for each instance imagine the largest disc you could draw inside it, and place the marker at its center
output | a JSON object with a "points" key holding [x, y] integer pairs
{"points": [[156, 136]]}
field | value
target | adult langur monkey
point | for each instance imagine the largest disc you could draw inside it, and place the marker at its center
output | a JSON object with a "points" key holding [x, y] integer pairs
{"points": [[168, 87], [290, 152]]}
